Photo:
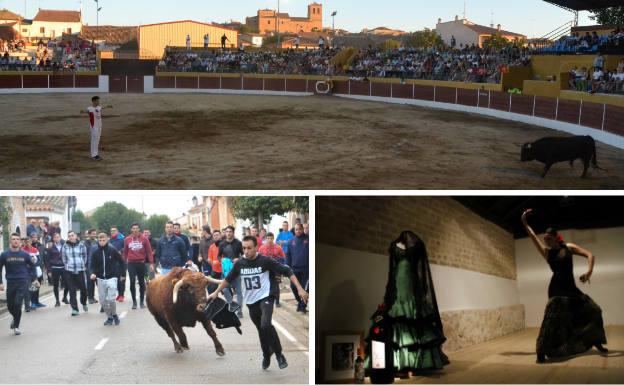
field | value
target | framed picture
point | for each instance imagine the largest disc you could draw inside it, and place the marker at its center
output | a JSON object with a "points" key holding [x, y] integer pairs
{"points": [[340, 350]]}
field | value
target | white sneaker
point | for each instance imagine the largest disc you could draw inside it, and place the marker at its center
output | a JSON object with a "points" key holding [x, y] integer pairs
{"points": [[17, 331]]}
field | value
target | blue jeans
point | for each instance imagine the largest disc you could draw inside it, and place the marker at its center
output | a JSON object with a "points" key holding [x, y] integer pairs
{"points": [[235, 284]]}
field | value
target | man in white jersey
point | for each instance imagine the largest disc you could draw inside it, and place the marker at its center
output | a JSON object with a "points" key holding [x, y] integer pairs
{"points": [[95, 124], [258, 275]]}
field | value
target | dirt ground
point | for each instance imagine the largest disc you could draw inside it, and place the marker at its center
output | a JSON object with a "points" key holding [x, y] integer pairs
{"points": [[259, 142]]}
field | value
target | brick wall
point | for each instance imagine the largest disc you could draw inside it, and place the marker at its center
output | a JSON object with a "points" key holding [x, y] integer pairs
{"points": [[454, 235]]}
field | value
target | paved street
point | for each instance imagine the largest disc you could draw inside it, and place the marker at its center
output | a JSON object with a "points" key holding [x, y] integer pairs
{"points": [[58, 348]]}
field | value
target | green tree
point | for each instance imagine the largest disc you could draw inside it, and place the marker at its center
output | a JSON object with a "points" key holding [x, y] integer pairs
{"points": [[85, 223], [609, 16], [156, 224], [496, 41], [424, 39], [390, 44], [260, 209], [301, 204], [113, 214]]}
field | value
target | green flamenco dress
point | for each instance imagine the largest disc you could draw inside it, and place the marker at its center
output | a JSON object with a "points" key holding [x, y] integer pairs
{"points": [[417, 339], [409, 319]]}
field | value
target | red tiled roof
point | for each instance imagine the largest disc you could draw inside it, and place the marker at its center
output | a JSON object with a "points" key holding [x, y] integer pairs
{"points": [[58, 16], [5, 14], [483, 30]]}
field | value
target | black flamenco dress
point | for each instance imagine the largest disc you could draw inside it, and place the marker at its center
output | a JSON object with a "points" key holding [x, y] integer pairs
{"points": [[411, 309], [572, 321]]}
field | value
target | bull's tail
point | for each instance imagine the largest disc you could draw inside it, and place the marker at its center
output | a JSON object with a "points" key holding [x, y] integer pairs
{"points": [[594, 159]]}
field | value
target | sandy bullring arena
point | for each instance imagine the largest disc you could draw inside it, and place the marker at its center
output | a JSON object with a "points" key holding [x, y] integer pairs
{"points": [[203, 141]]}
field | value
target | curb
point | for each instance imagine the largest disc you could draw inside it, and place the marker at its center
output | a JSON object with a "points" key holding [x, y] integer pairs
{"points": [[45, 290]]}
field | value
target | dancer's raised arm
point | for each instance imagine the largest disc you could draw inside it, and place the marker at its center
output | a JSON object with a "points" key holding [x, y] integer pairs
{"points": [[536, 241]]}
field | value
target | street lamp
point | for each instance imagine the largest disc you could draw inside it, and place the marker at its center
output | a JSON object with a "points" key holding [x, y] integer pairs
{"points": [[194, 201], [333, 15], [279, 40], [97, 21]]}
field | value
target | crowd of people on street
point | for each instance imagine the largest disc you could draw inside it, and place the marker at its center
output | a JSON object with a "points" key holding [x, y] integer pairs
{"points": [[103, 259], [598, 78]]}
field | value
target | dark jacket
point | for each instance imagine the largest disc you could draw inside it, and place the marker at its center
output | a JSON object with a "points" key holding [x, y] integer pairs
{"points": [[53, 258], [298, 254], [171, 252], [236, 246], [187, 244], [107, 262]]}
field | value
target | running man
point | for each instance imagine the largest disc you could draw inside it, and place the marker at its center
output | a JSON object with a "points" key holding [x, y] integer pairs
{"points": [[95, 124], [258, 274], [136, 251], [107, 266], [20, 273]]}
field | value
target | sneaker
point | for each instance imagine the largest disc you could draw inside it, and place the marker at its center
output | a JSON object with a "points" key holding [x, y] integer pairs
{"points": [[117, 298], [12, 325], [109, 321], [74, 312], [65, 301], [97, 158], [240, 315], [121, 298], [278, 305], [17, 331], [39, 304], [134, 305], [143, 305], [266, 362], [281, 361], [101, 309], [28, 309], [91, 301], [57, 304], [85, 308], [116, 320]]}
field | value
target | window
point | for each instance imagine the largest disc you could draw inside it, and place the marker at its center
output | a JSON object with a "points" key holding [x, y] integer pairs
{"points": [[24, 30], [42, 30]]}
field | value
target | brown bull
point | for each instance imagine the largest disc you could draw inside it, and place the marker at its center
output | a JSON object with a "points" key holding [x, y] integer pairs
{"points": [[176, 300]]}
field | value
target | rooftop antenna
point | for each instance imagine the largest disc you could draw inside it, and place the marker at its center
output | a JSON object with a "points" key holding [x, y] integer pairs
{"points": [[492, 22]]}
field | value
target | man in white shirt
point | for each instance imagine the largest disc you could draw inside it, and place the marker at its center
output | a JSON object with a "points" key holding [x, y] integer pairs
{"points": [[95, 125], [188, 42]]}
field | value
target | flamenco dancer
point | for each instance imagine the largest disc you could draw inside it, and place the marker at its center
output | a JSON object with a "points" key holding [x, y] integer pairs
{"points": [[572, 321]]}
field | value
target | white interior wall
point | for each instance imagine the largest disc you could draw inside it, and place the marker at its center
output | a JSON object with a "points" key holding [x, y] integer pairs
{"points": [[607, 282], [356, 280]]}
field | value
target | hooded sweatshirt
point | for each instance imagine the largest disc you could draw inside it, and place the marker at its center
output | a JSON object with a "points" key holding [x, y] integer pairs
{"points": [[137, 249], [298, 253]]}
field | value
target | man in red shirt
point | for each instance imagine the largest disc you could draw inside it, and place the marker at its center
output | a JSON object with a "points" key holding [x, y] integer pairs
{"points": [[215, 263], [275, 251], [136, 251]]}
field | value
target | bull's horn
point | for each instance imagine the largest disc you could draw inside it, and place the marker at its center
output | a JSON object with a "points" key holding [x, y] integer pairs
{"points": [[210, 280], [176, 287]]}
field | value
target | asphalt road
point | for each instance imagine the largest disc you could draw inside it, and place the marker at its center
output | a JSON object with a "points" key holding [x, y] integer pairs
{"points": [[58, 348]]}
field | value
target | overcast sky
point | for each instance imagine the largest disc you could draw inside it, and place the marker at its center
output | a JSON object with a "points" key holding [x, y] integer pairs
{"points": [[530, 17], [170, 204]]}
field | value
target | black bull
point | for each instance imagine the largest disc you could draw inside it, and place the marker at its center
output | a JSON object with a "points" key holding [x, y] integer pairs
{"points": [[555, 150]]}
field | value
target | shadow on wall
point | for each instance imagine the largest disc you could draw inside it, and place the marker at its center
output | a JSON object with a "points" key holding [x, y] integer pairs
{"points": [[343, 296]]}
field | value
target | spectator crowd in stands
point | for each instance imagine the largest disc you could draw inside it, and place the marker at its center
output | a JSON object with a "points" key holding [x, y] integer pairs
{"points": [[470, 64], [598, 79], [310, 62], [53, 56], [589, 43]]}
